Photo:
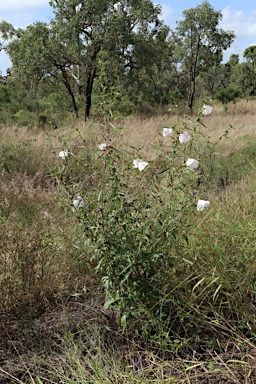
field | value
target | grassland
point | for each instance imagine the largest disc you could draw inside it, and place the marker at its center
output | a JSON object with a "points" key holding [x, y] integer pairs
{"points": [[193, 319]]}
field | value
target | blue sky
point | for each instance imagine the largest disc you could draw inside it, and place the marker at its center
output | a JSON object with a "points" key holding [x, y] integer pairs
{"points": [[238, 16]]}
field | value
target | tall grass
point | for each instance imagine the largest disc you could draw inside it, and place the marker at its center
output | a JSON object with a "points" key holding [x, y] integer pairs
{"points": [[171, 281]]}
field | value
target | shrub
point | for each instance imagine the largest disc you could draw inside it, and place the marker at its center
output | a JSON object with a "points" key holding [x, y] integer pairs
{"points": [[227, 94], [141, 223]]}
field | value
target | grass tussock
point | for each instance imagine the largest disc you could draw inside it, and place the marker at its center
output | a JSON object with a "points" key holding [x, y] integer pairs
{"points": [[138, 286]]}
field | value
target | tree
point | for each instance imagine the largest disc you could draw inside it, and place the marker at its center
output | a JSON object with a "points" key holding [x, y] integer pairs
{"points": [[85, 37], [227, 94], [37, 53], [233, 60], [6, 33], [241, 76], [201, 43], [95, 32], [250, 55]]}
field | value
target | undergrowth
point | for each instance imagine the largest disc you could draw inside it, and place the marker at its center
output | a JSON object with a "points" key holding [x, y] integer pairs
{"points": [[177, 285]]}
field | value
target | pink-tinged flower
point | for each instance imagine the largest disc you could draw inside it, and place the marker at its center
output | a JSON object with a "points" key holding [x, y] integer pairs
{"points": [[192, 164], [102, 146], [202, 204], [64, 154], [166, 131], [184, 137], [140, 164], [207, 110], [78, 202]]}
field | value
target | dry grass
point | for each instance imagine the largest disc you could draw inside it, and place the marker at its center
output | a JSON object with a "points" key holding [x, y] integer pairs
{"points": [[141, 132], [126, 362], [43, 251], [81, 343]]}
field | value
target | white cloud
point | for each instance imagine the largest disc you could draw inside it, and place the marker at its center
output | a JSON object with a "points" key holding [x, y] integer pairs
{"points": [[167, 13], [243, 24], [244, 27], [14, 5]]}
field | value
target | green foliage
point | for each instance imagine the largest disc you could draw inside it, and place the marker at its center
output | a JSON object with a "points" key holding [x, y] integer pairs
{"points": [[91, 48], [34, 238], [227, 246], [145, 238], [201, 43], [227, 94], [250, 53]]}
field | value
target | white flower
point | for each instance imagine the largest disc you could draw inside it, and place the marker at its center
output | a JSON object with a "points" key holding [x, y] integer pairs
{"points": [[184, 137], [64, 154], [78, 202], [102, 146], [192, 164], [202, 204], [140, 164], [207, 110], [166, 131]]}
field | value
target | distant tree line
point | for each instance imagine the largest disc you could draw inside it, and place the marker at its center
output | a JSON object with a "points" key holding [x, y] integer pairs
{"points": [[99, 55]]}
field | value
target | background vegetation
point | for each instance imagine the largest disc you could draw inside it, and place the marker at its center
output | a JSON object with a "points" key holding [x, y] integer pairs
{"points": [[121, 55]]}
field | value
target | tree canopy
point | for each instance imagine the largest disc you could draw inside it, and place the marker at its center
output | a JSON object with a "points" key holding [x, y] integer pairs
{"points": [[120, 52], [201, 43]]}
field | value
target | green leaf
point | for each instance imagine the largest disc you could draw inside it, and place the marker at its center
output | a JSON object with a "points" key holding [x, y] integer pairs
{"points": [[108, 303], [124, 322]]}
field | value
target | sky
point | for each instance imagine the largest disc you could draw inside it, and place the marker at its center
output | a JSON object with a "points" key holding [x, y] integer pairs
{"points": [[238, 16]]}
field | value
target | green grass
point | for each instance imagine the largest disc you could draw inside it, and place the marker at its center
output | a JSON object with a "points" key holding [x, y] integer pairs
{"points": [[221, 171]]}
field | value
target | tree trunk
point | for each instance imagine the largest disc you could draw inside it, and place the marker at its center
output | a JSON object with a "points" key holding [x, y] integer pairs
{"points": [[66, 82], [74, 104], [88, 92], [71, 93], [192, 89], [192, 72]]}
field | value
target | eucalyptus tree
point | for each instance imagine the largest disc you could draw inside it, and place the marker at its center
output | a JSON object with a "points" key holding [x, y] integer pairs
{"points": [[84, 38], [38, 56], [146, 77], [250, 53], [27, 53], [250, 56], [241, 77], [220, 75], [96, 32], [7, 31], [201, 43]]}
